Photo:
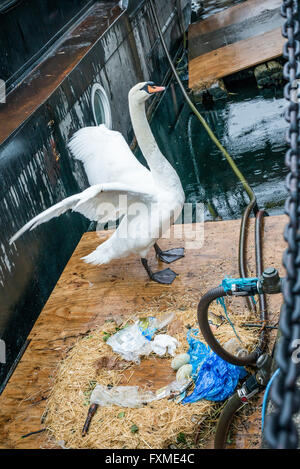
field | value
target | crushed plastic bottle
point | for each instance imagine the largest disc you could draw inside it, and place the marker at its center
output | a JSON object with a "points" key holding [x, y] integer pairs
{"points": [[122, 396], [150, 324], [133, 396], [234, 347], [164, 320]]}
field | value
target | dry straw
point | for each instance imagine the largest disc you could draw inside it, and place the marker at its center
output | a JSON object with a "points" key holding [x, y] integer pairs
{"points": [[161, 424]]}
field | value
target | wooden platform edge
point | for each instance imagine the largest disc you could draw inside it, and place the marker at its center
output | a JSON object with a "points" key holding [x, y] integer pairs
{"points": [[85, 295], [227, 60], [231, 15]]}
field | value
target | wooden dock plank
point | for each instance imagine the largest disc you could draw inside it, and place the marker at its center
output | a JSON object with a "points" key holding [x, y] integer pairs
{"points": [[232, 15], [85, 295], [240, 37], [206, 68], [253, 26]]}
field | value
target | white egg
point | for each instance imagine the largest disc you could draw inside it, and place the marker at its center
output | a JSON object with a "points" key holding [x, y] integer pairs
{"points": [[180, 360], [184, 373]]}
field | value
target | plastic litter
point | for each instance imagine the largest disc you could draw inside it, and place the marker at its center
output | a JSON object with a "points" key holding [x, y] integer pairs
{"points": [[215, 379], [130, 343], [163, 344], [164, 320], [62, 444], [198, 351], [234, 347], [134, 341], [123, 396], [175, 389], [133, 396], [150, 325], [221, 301]]}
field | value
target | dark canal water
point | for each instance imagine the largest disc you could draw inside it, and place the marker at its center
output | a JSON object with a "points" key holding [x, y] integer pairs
{"points": [[251, 126]]}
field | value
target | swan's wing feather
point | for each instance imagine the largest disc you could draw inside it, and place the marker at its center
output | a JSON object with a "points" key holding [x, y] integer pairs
{"points": [[106, 156], [51, 212], [88, 203], [102, 202]]}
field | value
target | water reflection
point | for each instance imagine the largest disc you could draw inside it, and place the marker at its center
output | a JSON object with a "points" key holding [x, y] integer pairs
{"points": [[250, 124], [215, 6]]}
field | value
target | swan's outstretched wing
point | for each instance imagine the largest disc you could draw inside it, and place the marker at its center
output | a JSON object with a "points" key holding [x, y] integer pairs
{"points": [[91, 203], [107, 157]]}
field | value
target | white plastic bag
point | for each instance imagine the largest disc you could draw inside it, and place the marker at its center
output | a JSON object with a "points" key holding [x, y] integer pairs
{"points": [[134, 341], [164, 343], [130, 343]]}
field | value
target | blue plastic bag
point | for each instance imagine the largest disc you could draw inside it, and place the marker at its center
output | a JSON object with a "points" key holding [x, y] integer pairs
{"points": [[215, 379]]}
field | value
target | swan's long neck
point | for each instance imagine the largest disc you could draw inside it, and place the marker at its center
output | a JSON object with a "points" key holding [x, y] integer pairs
{"points": [[160, 168]]}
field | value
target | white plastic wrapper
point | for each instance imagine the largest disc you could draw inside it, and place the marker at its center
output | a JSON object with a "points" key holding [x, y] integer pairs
{"points": [[164, 343], [134, 341], [130, 343]]}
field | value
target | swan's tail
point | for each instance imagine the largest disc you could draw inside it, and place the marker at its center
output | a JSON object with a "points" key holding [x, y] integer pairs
{"points": [[102, 255]]}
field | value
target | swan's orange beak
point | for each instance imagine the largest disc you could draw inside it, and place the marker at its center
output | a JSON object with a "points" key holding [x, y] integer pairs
{"points": [[155, 89]]}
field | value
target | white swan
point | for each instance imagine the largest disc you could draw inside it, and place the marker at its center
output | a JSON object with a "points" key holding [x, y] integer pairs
{"points": [[154, 199]]}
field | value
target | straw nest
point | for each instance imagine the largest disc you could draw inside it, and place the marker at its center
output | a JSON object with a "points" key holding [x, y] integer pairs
{"points": [[161, 424]]}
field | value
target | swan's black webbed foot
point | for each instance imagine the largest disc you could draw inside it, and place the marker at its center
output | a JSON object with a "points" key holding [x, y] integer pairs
{"points": [[166, 276], [169, 256]]}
